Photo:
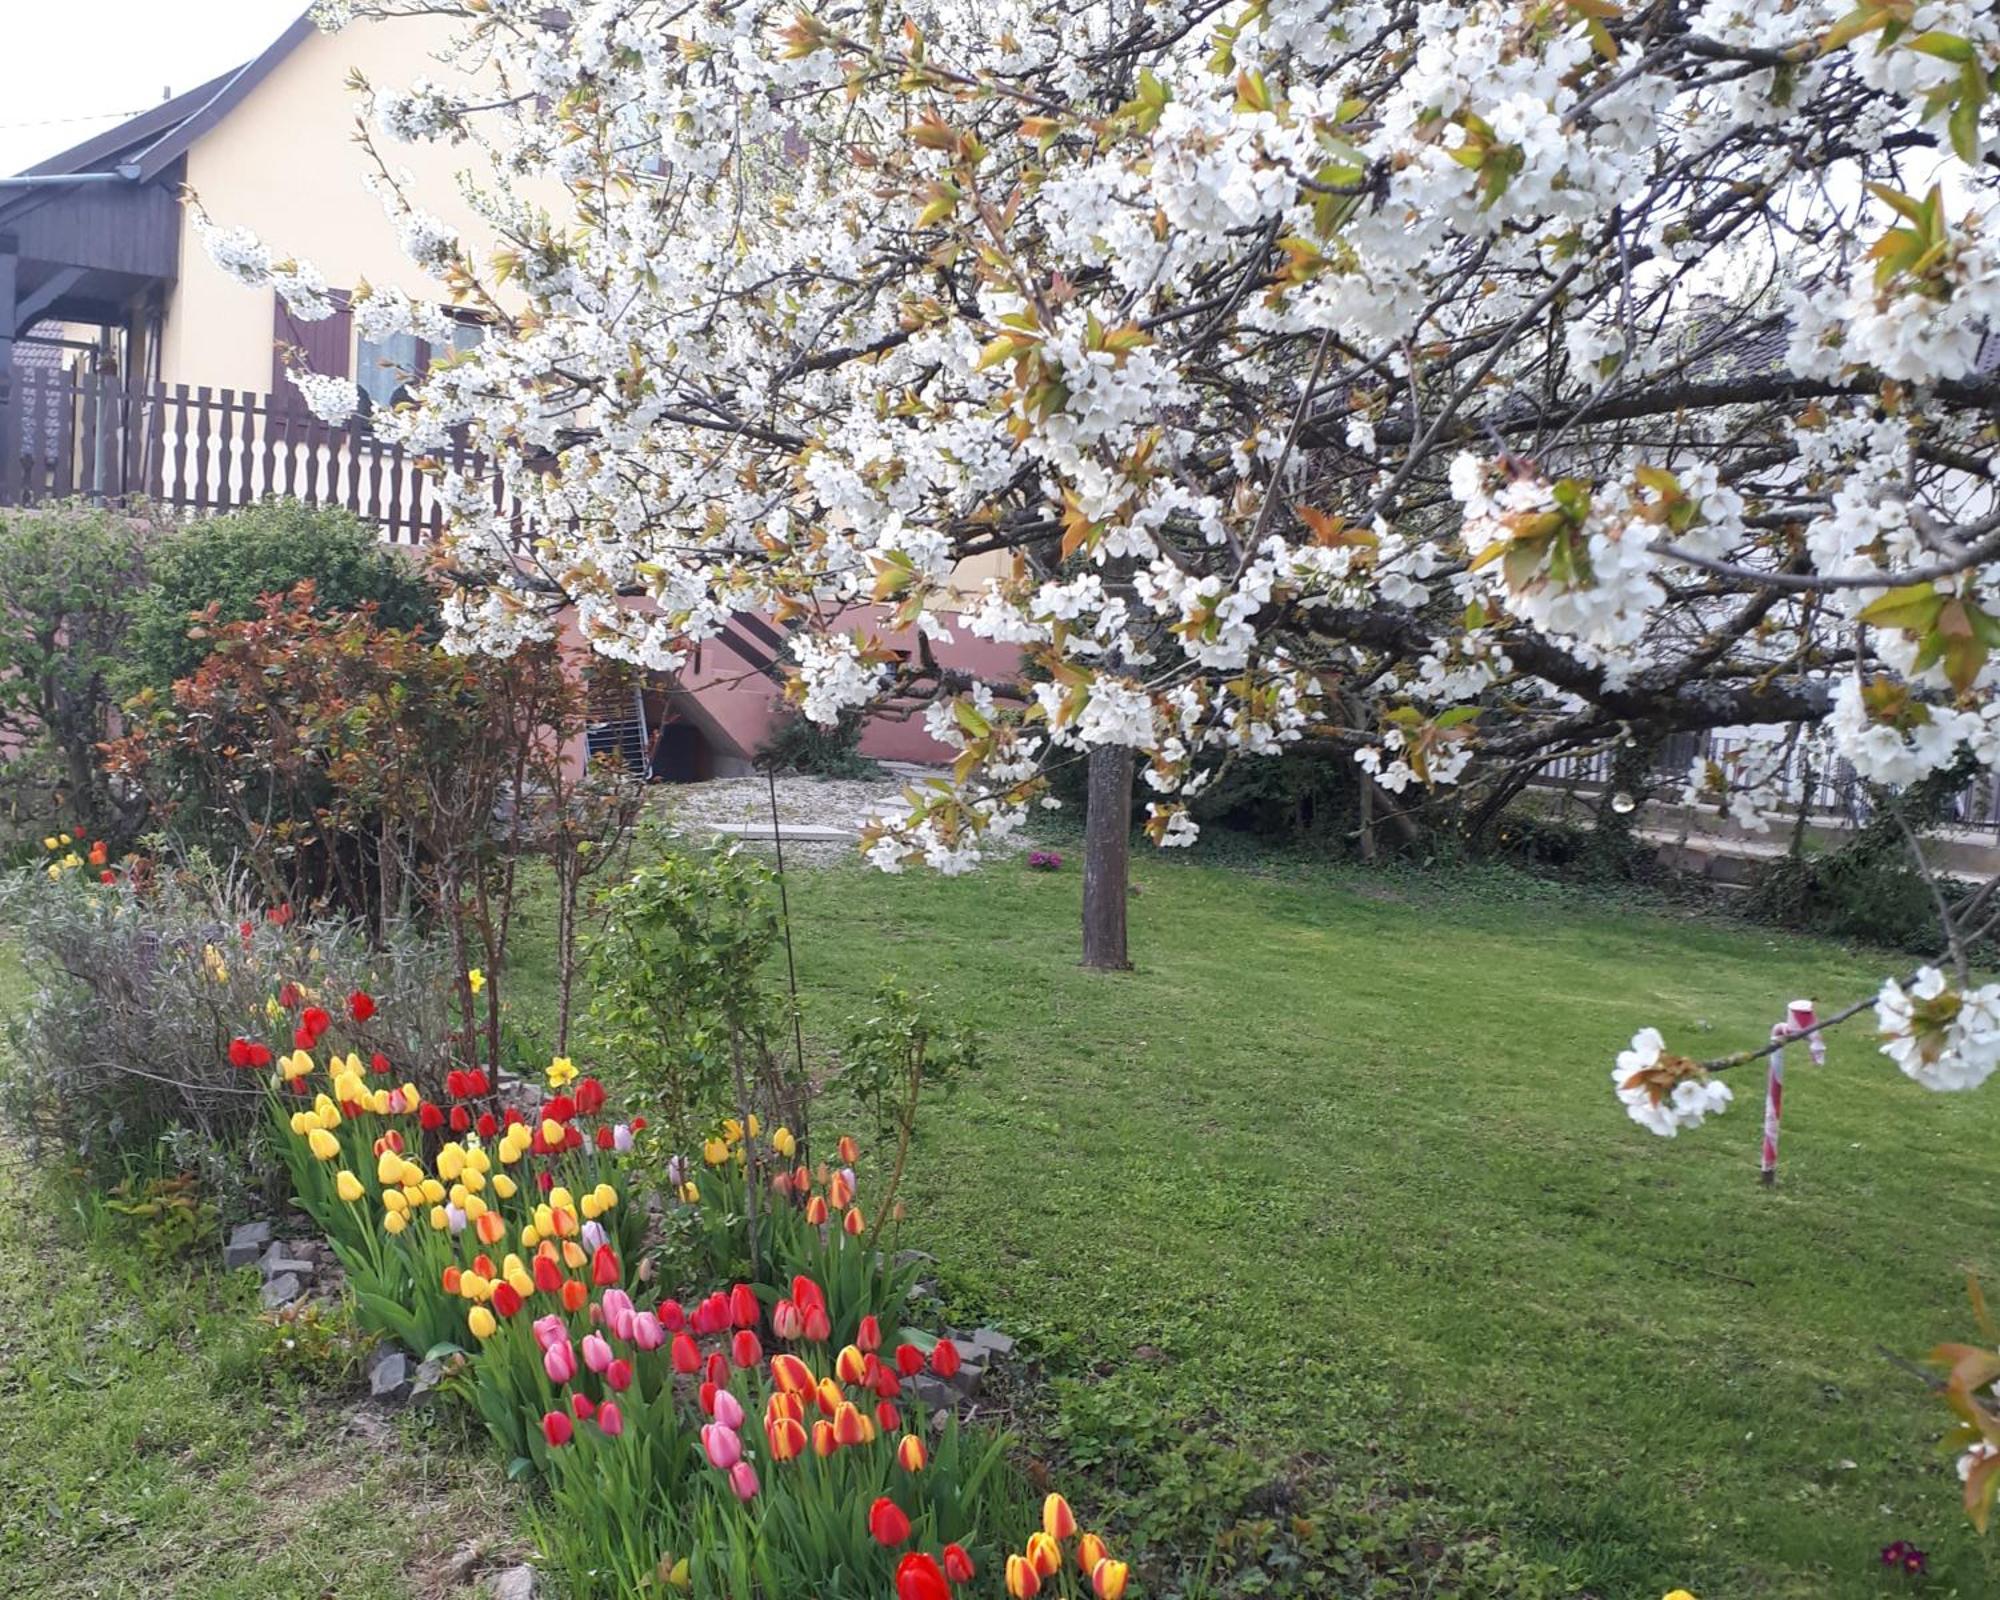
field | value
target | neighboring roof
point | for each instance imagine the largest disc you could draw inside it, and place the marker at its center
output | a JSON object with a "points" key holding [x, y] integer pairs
{"points": [[155, 139]]}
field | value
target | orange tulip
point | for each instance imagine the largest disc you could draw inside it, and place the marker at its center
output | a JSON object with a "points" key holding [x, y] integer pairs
{"points": [[1058, 1521], [1023, 1582], [824, 1443], [849, 1426], [839, 1192], [816, 1210], [1089, 1551], [1108, 1579], [854, 1224], [910, 1453], [1044, 1554], [574, 1294], [851, 1367], [791, 1375], [491, 1227], [850, 1152], [830, 1398], [788, 1439]]}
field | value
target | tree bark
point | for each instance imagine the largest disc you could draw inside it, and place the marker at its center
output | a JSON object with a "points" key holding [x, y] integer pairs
{"points": [[1107, 858]]}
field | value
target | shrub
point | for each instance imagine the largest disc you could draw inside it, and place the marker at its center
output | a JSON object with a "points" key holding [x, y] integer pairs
{"points": [[69, 581], [139, 984], [798, 744], [232, 561]]}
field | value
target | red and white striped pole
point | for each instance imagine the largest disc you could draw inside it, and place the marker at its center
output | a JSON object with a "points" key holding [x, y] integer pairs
{"points": [[1799, 1020]]}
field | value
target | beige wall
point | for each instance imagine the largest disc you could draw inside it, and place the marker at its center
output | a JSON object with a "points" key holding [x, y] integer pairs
{"points": [[284, 164]]}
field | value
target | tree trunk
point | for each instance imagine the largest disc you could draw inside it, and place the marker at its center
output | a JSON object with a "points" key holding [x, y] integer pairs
{"points": [[1107, 858]]}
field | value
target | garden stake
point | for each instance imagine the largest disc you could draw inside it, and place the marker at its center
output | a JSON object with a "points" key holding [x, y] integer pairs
{"points": [[1798, 1021], [791, 971]]}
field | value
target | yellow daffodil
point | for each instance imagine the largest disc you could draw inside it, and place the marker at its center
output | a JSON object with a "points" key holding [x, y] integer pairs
{"points": [[732, 1130], [347, 1186], [475, 980], [562, 1071]]}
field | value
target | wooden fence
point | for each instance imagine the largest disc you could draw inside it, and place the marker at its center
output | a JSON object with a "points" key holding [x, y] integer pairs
{"points": [[67, 435]]}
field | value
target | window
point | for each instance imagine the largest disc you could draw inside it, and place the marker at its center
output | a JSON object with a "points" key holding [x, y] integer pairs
{"points": [[382, 368]]}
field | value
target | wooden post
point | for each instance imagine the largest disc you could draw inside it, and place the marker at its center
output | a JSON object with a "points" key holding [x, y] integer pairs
{"points": [[1107, 857]]}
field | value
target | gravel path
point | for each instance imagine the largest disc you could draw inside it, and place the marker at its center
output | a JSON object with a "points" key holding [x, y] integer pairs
{"points": [[696, 808]]}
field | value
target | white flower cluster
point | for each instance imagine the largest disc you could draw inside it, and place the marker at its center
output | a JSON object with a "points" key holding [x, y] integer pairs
{"points": [[332, 400], [1659, 1106], [1942, 1038]]}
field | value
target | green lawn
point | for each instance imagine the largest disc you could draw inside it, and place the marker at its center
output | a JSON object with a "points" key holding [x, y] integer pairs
{"points": [[1328, 1211]]}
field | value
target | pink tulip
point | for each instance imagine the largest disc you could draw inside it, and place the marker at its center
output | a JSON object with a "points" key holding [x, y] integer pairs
{"points": [[596, 1352], [647, 1333], [722, 1445], [618, 1313], [559, 1362], [728, 1409], [743, 1479], [787, 1321], [610, 1418], [550, 1330]]}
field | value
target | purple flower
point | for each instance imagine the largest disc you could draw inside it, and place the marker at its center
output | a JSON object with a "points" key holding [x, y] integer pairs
{"points": [[1905, 1557]]}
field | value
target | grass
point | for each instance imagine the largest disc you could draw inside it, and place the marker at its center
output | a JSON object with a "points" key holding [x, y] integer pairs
{"points": [[1327, 1213]]}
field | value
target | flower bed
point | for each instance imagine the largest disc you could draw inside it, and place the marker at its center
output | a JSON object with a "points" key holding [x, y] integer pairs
{"points": [[761, 1435]]}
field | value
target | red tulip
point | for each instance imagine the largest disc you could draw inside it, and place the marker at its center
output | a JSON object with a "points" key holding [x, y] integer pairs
{"points": [[1023, 1581], [260, 1055], [378, 1062], [824, 1440], [816, 1210], [476, 1080], [611, 1419], [787, 1321], [744, 1350], [574, 1295], [887, 1417], [787, 1438], [301, 1040], [712, 1315], [672, 1317], [886, 1523], [604, 1267], [870, 1336], [429, 1117], [487, 1125], [818, 1328], [506, 1298], [717, 1371], [619, 1375], [944, 1359], [548, 1274], [853, 1224], [461, 1119], [560, 1109], [589, 1097], [686, 1358], [850, 1366], [605, 1138], [909, 1360], [288, 995], [957, 1564], [239, 1053], [791, 1375], [910, 1453], [556, 1428], [360, 1006], [849, 1428], [583, 1406], [315, 1020], [744, 1311], [918, 1578]]}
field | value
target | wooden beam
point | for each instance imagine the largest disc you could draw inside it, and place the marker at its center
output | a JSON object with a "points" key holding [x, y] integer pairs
{"points": [[31, 306]]}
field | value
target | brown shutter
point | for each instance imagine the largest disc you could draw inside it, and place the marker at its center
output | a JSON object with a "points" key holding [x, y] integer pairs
{"points": [[327, 347]]}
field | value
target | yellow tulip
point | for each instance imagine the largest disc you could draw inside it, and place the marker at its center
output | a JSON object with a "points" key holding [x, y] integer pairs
{"points": [[478, 1161], [323, 1144], [394, 1222], [472, 1180], [521, 1281], [55, 872], [606, 1196], [481, 1322], [303, 1123], [474, 1287], [51, 843], [394, 1201], [433, 1191], [690, 1193], [590, 1208], [505, 1187], [1678, 1594], [754, 1127], [715, 1152], [451, 1162], [562, 1199], [473, 1207], [439, 1221], [545, 1219], [552, 1133], [783, 1142], [347, 1186], [530, 1237]]}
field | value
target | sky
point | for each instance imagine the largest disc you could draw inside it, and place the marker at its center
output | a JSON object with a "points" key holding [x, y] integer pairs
{"points": [[71, 70]]}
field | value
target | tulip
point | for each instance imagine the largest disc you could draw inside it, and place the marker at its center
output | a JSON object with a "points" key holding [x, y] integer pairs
{"points": [[839, 1193], [818, 1328], [850, 1367], [909, 1360], [395, 1222], [888, 1418], [744, 1311], [506, 1299], [574, 1295], [618, 1313], [727, 1409], [347, 1186], [1023, 1582], [1058, 1521], [1089, 1551], [582, 1406], [958, 1565], [785, 1144], [790, 1374], [944, 1359], [557, 1429], [596, 1353], [849, 1427], [611, 1419], [722, 1445], [549, 1330], [604, 1267], [887, 1524], [787, 1321], [429, 1117], [744, 1349], [711, 1316], [1044, 1554], [647, 1333], [239, 1053], [910, 1453], [559, 1362], [853, 1224], [816, 1210], [618, 1376], [870, 1335], [850, 1152], [480, 1320], [672, 1317], [743, 1480], [360, 1006], [829, 1396], [716, 1369], [685, 1356], [918, 1578], [787, 1438], [1108, 1579]]}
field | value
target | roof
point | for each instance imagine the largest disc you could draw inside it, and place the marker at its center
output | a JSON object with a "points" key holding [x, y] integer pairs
{"points": [[153, 140]]}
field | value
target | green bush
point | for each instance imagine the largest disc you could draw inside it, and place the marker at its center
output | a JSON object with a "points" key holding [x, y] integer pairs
{"points": [[798, 744], [231, 561]]}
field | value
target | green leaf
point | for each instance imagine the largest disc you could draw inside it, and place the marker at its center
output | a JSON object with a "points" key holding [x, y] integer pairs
{"points": [[1913, 608]]}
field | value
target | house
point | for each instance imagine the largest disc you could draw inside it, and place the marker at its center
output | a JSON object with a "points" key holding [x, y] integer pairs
{"points": [[132, 365]]}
